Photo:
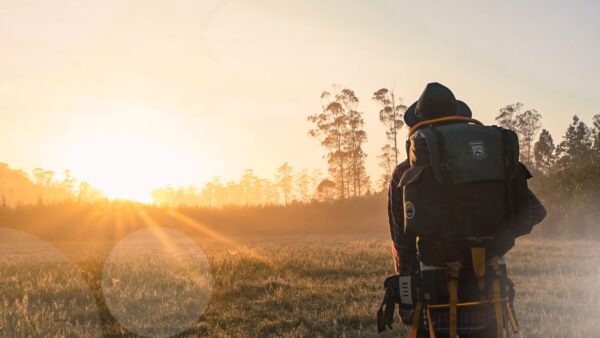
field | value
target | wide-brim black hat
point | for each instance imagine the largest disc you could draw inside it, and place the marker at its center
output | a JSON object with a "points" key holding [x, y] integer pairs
{"points": [[435, 101]]}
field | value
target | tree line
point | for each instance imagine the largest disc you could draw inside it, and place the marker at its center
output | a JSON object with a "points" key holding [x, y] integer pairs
{"points": [[566, 178], [18, 187], [286, 187], [566, 172]]}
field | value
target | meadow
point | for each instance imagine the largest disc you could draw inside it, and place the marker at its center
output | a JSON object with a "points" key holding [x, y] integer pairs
{"points": [[290, 286]]}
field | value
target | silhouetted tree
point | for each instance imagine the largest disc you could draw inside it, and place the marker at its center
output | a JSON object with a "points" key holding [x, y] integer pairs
{"points": [[87, 193], [326, 190], [315, 179], [526, 124], [339, 127], [544, 152], [212, 194], [234, 193], [284, 181], [43, 177], [387, 163], [576, 145], [330, 126], [355, 138], [390, 115], [302, 182], [596, 131], [271, 193], [507, 117], [68, 183], [248, 187]]}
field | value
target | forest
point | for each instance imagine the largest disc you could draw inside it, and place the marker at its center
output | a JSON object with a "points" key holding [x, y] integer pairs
{"points": [[346, 199]]}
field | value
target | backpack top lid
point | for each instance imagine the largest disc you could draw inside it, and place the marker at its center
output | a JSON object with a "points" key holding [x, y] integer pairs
{"points": [[461, 153]]}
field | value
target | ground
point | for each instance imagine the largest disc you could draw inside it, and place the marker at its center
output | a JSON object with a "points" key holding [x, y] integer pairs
{"points": [[282, 286]]}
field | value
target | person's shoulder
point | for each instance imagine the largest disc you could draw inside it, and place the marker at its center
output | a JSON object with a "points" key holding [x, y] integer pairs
{"points": [[400, 169], [403, 165]]}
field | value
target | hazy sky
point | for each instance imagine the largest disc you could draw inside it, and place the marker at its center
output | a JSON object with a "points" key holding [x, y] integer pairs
{"points": [[144, 93]]}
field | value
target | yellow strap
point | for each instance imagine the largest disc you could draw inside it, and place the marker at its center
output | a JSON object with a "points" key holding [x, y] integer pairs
{"points": [[452, 312], [512, 318], [478, 259], [445, 306], [505, 323], [496, 297], [439, 120], [430, 324], [415, 321], [454, 269]]}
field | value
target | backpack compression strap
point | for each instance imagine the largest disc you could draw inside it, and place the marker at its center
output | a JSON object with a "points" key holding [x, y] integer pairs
{"points": [[496, 298], [415, 320], [440, 120], [453, 272]]}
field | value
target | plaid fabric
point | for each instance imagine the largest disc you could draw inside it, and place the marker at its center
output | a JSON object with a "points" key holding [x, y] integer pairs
{"points": [[471, 319], [406, 315]]}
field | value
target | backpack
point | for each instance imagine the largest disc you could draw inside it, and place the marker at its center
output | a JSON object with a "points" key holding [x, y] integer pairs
{"points": [[465, 200], [465, 188]]}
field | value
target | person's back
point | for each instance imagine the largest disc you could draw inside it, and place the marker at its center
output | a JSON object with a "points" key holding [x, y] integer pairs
{"points": [[455, 207]]}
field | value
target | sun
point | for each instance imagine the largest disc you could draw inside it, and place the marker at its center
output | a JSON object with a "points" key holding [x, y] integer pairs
{"points": [[125, 166]]}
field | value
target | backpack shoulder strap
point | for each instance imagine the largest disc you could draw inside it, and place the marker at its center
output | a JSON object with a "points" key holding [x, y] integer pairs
{"points": [[510, 144], [431, 137]]}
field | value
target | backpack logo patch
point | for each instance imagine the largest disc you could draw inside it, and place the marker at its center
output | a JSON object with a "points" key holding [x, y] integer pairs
{"points": [[409, 210], [478, 150]]}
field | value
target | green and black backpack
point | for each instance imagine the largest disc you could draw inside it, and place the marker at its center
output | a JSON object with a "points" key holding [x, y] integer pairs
{"points": [[465, 187], [465, 200]]}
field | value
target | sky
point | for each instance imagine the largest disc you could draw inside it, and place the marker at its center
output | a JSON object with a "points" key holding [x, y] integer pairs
{"points": [[133, 95]]}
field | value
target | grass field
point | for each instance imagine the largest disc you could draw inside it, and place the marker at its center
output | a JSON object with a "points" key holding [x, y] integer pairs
{"points": [[280, 286]]}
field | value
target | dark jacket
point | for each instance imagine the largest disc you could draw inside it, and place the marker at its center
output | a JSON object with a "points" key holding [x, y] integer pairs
{"points": [[407, 244]]}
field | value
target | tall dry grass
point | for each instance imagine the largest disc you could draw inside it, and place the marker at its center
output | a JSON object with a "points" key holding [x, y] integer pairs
{"points": [[312, 286]]}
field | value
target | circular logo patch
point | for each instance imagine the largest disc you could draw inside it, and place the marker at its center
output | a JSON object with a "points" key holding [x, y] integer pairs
{"points": [[409, 210]]}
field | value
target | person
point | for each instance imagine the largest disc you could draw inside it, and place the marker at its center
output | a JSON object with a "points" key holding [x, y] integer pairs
{"points": [[437, 101]]}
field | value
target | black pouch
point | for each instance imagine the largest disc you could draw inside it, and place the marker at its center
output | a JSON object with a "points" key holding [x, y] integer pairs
{"points": [[385, 314], [403, 291]]}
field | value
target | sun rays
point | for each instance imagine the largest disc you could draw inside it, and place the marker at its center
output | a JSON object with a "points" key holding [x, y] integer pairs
{"points": [[223, 239], [104, 224]]}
